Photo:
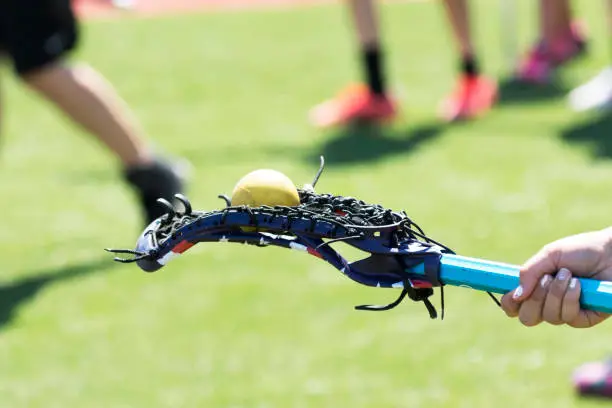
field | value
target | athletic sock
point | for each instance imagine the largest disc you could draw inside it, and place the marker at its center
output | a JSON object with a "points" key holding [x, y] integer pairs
{"points": [[469, 66], [373, 65]]}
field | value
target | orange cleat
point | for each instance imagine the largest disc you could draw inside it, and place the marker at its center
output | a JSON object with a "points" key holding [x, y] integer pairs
{"points": [[356, 104], [472, 97]]}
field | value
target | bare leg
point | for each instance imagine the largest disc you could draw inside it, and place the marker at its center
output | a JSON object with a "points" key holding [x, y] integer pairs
{"points": [[365, 19], [474, 94], [559, 42], [458, 15], [366, 22], [555, 20], [371, 103], [88, 99]]}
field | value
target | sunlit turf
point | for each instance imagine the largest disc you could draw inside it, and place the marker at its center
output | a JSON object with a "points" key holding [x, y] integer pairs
{"points": [[234, 326]]}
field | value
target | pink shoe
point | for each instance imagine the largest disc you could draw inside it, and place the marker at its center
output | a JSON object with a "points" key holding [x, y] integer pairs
{"points": [[594, 379], [355, 104], [540, 63], [471, 98]]}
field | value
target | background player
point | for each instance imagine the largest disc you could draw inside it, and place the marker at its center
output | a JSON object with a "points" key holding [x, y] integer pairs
{"points": [[38, 37]]}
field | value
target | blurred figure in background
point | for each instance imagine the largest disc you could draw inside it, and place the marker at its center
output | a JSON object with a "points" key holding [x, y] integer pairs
{"points": [[38, 36], [597, 92], [372, 101], [474, 93], [561, 40]]}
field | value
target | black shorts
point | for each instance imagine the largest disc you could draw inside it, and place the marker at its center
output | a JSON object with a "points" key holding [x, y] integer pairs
{"points": [[34, 33]]}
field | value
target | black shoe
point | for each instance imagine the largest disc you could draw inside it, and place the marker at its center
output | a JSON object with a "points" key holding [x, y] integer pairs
{"points": [[156, 180]]}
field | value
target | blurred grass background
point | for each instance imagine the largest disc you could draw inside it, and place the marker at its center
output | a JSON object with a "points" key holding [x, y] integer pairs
{"points": [[231, 326]]}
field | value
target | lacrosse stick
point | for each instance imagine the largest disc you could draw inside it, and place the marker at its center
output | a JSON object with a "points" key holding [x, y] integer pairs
{"points": [[401, 255]]}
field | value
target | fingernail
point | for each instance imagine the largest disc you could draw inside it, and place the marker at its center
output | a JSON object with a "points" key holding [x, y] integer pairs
{"points": [[544, 281], [517, 292], [563, 274], [573, 283]]}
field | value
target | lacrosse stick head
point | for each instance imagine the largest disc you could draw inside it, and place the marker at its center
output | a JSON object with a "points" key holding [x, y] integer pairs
{"points": [[393, 243], [147, 244]]}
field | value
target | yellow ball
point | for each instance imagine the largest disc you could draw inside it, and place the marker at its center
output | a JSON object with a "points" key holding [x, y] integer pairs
{"points": [[265, 187]]}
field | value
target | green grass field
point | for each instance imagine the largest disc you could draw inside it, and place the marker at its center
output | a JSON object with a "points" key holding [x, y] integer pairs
{"points": [[234, 326]]}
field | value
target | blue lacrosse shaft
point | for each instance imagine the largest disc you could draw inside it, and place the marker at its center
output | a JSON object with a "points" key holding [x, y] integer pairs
{"points": [[501, 278]]}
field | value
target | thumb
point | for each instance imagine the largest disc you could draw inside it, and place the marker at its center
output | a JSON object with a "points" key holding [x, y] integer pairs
{"points": [[542, 263]]}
